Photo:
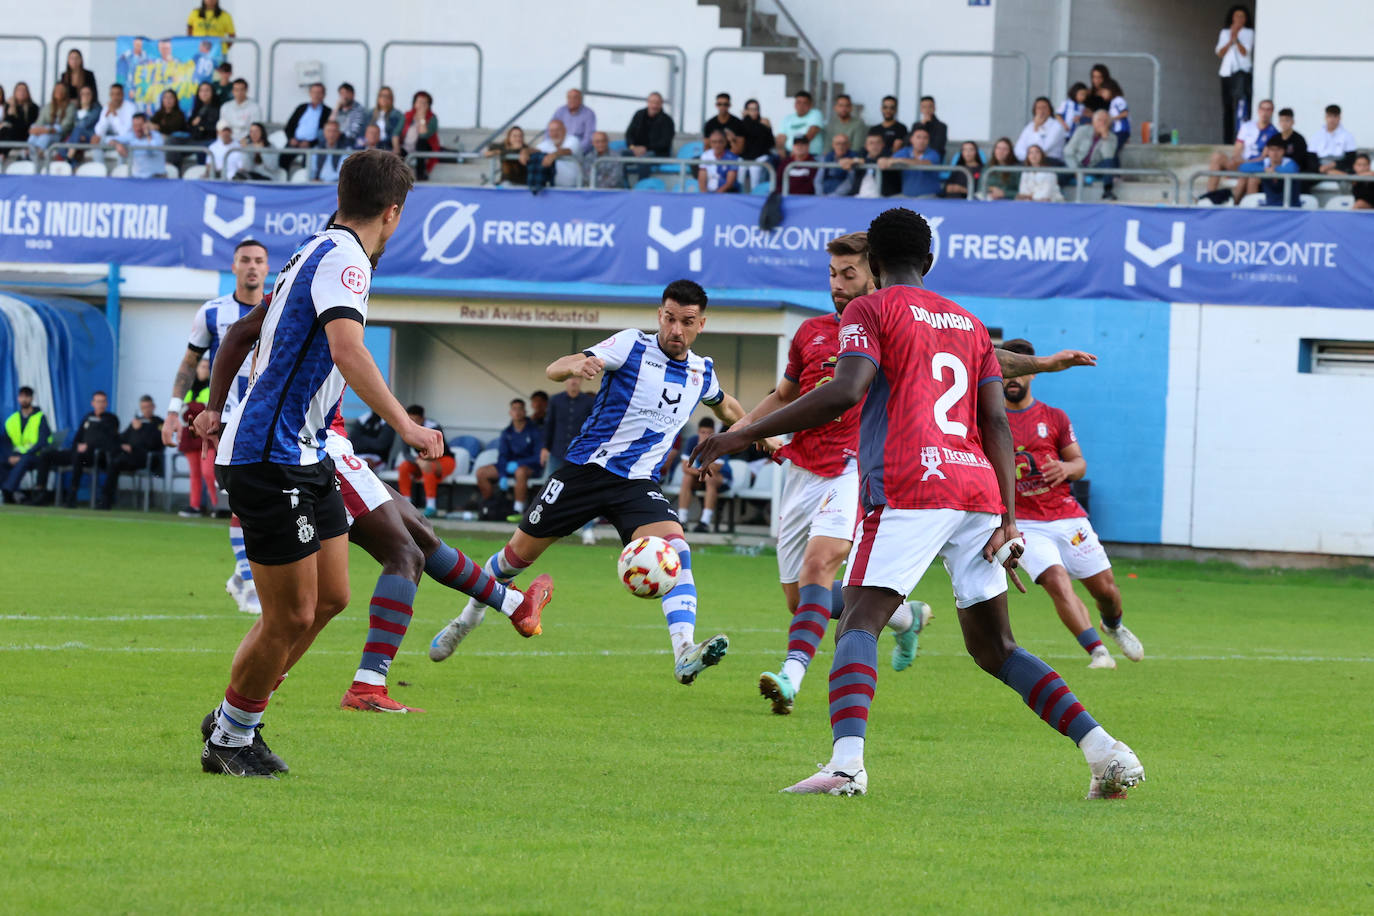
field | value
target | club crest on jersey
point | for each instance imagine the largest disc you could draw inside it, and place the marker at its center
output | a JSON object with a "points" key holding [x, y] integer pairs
{"points": [[1042, 430], [305, 532], [930, 457]]}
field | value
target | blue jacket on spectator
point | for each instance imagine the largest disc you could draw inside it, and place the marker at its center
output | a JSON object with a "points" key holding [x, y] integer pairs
{"points": [[917, 184], [838, 182], [519, 447], [564, 421]]}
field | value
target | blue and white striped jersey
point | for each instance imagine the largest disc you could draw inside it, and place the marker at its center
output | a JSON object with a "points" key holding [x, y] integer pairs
{"points": [[207, 330], [645, 398], [295, 384]]}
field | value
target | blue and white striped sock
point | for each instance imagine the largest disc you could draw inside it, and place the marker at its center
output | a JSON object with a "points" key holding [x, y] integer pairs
{"points": [[241, 566], [680, 604]]}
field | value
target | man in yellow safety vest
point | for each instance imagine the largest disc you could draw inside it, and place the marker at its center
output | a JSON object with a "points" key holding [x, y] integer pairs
{"points": [[27, 434]]}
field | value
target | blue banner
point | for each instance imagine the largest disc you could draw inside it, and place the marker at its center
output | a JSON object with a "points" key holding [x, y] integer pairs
{"points": [[147, 68], [1001, 249]]}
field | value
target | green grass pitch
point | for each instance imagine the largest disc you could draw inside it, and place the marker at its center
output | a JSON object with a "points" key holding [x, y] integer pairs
{"points": [[570, 773]]}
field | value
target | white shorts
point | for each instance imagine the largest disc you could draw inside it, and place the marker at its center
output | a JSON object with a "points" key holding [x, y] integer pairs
{"points": [[361, 489], [814, 506], [895, 547], [1068, 542]]}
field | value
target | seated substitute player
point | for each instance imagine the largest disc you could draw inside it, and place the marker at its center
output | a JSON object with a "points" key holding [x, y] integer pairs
{"points": [[1060, 542], [820, 496], [398, 536], [653, 384], [937, 472], [709, 485], [272, 459], [208, 328]]}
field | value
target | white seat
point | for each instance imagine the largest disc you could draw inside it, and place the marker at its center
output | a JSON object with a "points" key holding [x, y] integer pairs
{"points": [[673, 485], [120, 171], [58, 167], [762, 485], [1252, 200], [1341, 202], [21, 167], [194, 171], [485, 457], [1328, 185], [1203, 202], [1308, 202], [462, 461], [172, 171], [92, 170], [469, 477], [300, 175], [277, 139]]}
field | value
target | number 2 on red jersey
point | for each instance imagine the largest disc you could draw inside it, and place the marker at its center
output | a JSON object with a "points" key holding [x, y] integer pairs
{"points": [[958, 387]]}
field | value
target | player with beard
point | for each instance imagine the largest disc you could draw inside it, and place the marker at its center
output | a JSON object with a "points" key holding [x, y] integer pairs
{"points": [[820, 496], [1060, 542]]}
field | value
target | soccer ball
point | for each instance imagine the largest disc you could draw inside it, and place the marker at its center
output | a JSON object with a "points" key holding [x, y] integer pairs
{"points": [[649, 567]]}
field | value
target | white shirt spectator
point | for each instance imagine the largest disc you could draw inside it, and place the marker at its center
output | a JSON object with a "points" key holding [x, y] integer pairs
{"points": [[240, 117], [566, 171], [227, 157], [1333, 144], [718, 175], [1233, 60], [1041, 186], [1049, 136], [118, 124], [145, 161], [870, 185], [1253, 138]]}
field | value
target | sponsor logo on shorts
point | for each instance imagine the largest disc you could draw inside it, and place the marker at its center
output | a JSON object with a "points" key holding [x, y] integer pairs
{"points": [[305, 531], [654, 494], [1079, 537]]}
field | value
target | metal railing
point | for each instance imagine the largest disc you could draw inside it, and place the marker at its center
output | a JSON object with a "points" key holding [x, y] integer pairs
{"points": [[734, 49], [253, 89], [1079, 172], [356, 42], [1025, 63], [803, 40], [1322, 58], [1286, 177], [830, 94], [676, 98], [898, 165], [477, 122], [683, 165], [1134, 55], [43, 69]]}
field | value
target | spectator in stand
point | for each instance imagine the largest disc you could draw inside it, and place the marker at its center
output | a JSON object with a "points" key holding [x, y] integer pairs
{"points": [[559, 163], [756, 145], [845, 122], [420, 131], [1362, 191], [389, 121], [1041, 186], [514, 172], [76, 75], [256, 157], [894, 131], [568, 411], [83, 126], [1273, 162], [1235, 47], [577, 118], [350, 115], [1249, 147], [1294, 143], [141, 439], [539, 410], [937, 129], [841, 181], [223, 81], [799, 181], [95, 442], [371, 138], [1119, 110], [1043, 131], [693, 480], [1098, 76], [431, 472], [1003, 185], [20, 113], [650, 133], [517, 460], [306, 124], [957, 184], [606, 175], [240, 111], [169, 120], [871, 181], [917, 182], [146, 161], [209, 20], [326, 167], [1071, 111], [225, 153], [56, 119], [1334, 146], [717, 179], [1095, 148], [372, 437], [805, 122], [204, 119], [722, 120], [27, 437]]}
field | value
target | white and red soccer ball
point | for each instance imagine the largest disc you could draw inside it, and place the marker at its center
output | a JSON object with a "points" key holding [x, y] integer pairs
{"points": [[649, 567]]}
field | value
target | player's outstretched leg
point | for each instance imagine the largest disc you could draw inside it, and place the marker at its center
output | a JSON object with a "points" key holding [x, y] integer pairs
{"points": [[388, 618], [680, 610], [240, 585], [804, 635], [502, 567], [1074, 615], [1104, 590], [906, 624], [987, 635]]}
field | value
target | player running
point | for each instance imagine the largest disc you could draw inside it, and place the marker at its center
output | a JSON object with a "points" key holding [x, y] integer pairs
{"points": [[653, 383], [207, 334], [937, 480], [1060, 542], [820, 495], [280, 480]]}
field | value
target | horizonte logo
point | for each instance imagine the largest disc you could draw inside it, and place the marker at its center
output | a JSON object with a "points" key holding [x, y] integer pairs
{"points": [[1248, 253], [784, 238]]}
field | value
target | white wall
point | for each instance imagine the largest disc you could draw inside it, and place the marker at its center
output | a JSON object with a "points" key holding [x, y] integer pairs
{"points": [[1317, 27], [1278, 455]]}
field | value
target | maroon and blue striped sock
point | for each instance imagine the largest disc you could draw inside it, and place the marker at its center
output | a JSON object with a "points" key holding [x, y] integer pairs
{"points": [[1046, 694], [853, 678], [1089, 640], [451, 567], [388, 619], [806, 631], [836, 599]]}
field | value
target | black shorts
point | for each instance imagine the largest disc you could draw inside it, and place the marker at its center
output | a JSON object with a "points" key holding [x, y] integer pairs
{"points": [[580, 493], [285, 510]]}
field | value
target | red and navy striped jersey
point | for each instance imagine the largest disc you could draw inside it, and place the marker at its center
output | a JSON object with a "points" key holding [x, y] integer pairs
{"points": [[919, 444], [1039, 433], [822, 450]]}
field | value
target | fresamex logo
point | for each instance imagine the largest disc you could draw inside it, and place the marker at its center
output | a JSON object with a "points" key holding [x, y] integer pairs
{"points": [[1152, 257], [674, 242]]}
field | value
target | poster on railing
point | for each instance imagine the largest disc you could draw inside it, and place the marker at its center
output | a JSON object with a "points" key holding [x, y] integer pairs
{"points": [[1006, 249], [148, 67]]}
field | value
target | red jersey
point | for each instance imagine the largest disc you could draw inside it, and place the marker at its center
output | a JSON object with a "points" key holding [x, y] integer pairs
{"points": [[919, 444], [824, 450], [1040, 432]]}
